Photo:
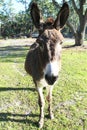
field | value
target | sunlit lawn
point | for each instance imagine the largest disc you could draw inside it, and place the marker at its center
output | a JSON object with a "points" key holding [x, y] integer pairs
{"points": [[18, 98]]}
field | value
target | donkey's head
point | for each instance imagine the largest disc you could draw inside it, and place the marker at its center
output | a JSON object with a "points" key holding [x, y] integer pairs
{"points": [[50, 39]]}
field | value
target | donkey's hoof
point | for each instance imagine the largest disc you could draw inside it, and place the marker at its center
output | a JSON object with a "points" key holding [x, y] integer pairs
{"points": [[41, 122]]}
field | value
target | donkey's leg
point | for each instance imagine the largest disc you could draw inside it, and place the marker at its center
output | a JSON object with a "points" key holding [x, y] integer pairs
{"points": [[49, 99], [41, 104]]}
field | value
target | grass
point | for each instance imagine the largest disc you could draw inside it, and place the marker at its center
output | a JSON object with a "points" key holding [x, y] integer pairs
{"points": [[18, 98]]}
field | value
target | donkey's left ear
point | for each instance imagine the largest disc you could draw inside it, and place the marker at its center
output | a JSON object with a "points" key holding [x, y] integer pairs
{"points": [[35, 15], [62, 16]]}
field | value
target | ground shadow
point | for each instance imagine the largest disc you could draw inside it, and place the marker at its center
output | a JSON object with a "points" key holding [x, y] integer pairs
{"points": [[20, 118], [69, 46], [10, 53], [84, 46], [16, 89], [15, 48]]}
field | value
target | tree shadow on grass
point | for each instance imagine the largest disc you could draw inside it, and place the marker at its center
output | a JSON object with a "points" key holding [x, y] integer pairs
{"points": [[68, 46], [18, 118], [16, 89], [10, 53], [14, 48]]}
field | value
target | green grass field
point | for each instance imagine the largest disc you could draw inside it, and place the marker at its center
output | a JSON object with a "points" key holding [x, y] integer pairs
{"points": [[18, 98]]}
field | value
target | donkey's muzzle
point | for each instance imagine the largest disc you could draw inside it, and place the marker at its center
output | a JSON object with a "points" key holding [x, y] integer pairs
{"points": [[50, 79]]}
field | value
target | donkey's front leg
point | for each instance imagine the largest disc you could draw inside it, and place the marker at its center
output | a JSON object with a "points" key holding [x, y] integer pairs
{"points": [[41, 104], [49, 99]]}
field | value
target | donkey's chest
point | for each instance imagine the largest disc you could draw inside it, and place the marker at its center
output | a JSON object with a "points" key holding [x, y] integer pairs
{"points": [[42, 83]]}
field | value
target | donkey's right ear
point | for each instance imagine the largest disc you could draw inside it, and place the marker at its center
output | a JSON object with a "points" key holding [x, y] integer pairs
{"points": [[35, 14]]}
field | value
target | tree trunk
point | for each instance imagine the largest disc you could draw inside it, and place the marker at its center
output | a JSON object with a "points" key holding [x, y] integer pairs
{"points": [[80, 33], [79, 38]]}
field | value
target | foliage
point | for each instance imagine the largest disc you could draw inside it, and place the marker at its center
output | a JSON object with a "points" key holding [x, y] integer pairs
{"points": [[12, 25], [47, 8], [18, 27], [20, 24]]}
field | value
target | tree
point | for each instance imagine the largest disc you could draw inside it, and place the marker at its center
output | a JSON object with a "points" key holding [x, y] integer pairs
{"points": [[1, 2], [11, 24], [6, 14], [81, 11], [25, 18]]}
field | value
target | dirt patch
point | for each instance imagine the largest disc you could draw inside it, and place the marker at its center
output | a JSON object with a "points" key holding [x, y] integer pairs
{"points": [[68, 43], [15, 42]]}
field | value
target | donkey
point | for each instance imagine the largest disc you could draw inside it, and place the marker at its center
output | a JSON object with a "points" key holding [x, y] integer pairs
{"points": [[43, 61]]}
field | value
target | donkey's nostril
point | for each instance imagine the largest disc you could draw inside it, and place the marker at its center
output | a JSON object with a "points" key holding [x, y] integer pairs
{"points": [[50, 79], [54, 78]]}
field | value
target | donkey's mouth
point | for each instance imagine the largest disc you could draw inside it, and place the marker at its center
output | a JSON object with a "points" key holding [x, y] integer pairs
{"points": [[51, 79]]}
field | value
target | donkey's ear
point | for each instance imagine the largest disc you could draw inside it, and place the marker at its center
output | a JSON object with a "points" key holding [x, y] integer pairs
{"points": [[35, 15], [62, 16]]}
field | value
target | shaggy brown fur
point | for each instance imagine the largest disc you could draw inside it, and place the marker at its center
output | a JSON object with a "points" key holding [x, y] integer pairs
{"points": [[35, 62], [41, 52], [43, 59]]}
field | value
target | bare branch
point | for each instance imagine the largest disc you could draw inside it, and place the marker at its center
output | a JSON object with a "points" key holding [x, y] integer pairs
{"points": [[64, 1], [71, 27], [75, 7], [82, 2], [56, 3], [86, 16]]}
